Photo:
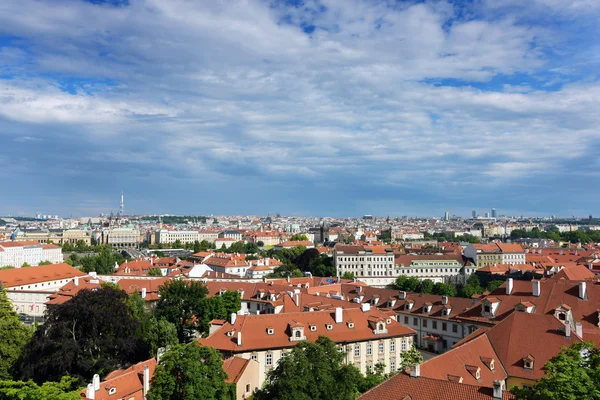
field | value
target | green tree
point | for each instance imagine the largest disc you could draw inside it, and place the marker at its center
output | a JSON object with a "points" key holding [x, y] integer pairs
{"points": [[25, 265], [298, 237], [472, 287], [493, 285], [155, 271], [573, 374], [177, 244], [45, 262], [13, 336], [410, 357], [312, 371], [190, 372], [260, 243], [66, 389], [94, 332], [407, 284], [348, 275], [6, 267], [181, 303], [444, 289], [157, 333], [427, 286], [373, 378]]}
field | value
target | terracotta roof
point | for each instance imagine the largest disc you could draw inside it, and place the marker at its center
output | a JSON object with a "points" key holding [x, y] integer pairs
{"points": [[68, 291], [234, 367], [295, 243], [510, 248], [402, 386], [255, 335], [127, 383], [462, 360], [48, 246], [575, 273], [43, 273]]}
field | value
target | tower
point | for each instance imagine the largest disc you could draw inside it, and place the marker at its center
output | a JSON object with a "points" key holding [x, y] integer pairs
{"points": [[122, 205], [474, 213], [494, 215]]}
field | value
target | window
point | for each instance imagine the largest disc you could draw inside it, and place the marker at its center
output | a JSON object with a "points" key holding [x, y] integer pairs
{"points": [[269, 360], [454, 328], [392, 365], [403, 345], [424, 323], [248, 388], [406, 320], [381, 347], [254, 357], [486, 309], [434, 324], [444, 326], [369, 349], [297, 333], [415, 321], [357, 350], [392, 346]]}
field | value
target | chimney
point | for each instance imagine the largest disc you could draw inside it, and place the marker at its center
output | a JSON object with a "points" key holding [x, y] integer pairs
{"points": [[497, 393], [146, 380], [568, 329], [402, 295], [288, 279], [76, 281], [536, 288], [365, 307], [143, 293], [358, 289], [297, 300], [579, 329], [415, 371], [89, 392], [509, 286], [582, 290], [444, 300], [561, 252], [590, 266], [96, 382], [239, 339], [233, 318], [339, 315]]}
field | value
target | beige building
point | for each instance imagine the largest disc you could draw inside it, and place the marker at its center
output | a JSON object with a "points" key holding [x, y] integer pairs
{"points": [[122, 237], [366, 336]]}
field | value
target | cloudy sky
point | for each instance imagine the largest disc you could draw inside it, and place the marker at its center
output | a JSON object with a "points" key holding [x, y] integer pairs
{"points": [[304, 107]]}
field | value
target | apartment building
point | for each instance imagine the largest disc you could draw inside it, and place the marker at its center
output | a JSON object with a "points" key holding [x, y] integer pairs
{"points": [[30, 288], [15, 253], [209, 236], [495, 253], [164, 236], [122, 237], [366, 336], [373, 265], [437, 267]]}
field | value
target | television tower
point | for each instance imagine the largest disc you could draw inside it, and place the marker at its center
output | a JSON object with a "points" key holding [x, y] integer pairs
{"points": [[122, 206]]}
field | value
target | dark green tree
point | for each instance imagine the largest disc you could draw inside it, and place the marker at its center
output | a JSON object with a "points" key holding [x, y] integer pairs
{"points": [[155, 271], [182, 304], [407, 284], [93, 333], [426, 286], [67, 389], [157, 333], [190, 372], [348, 275], [298, 237], [13, 337], [45, 262], [312, 371], [444, 289], [573, 374], [493, 285], [410, 357]]}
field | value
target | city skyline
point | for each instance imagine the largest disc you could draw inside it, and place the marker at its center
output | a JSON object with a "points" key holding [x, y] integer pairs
{"points": [[309, 107]]}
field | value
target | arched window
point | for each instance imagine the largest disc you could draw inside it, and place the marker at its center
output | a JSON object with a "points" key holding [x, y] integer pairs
{"points": [[297, 334]]}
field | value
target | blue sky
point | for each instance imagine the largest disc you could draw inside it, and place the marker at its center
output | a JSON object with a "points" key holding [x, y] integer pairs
{"points": [[314, 107]]}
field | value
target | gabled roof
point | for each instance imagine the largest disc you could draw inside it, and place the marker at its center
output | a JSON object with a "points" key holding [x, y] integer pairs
{"points": [[43, 273], [234, 367], [128, 383], [402, 386], [255, 335]]}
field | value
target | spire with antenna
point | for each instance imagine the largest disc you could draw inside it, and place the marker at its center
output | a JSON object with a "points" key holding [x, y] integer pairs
{"points": [[122, 206]]}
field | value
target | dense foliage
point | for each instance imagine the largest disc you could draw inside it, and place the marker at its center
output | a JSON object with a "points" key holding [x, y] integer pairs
{"points": [[473, 286], [13, 336], [66, 389], [316, 371], [103, 263], [190, 372], [93, 333]]}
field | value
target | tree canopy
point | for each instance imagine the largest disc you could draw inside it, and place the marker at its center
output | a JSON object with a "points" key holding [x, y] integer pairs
{"points": [[312, 371], [66, 389], [13, 336], [93, 333], [190, 372], [573, 374], [406, 283]]}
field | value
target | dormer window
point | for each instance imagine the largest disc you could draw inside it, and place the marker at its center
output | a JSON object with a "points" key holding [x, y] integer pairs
{"points": [[380, 327], [492, 365], [329, 327], [528, 361], [230, 333], [562, 316], [313, 328], [487, 309], [270, 331], [351, 325], [298, 334], [388, 321], [112, 391]]}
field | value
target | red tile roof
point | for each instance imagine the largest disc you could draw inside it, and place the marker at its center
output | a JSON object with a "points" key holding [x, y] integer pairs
{"points": [[234, 367], [401, 386], [43, 273]]}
